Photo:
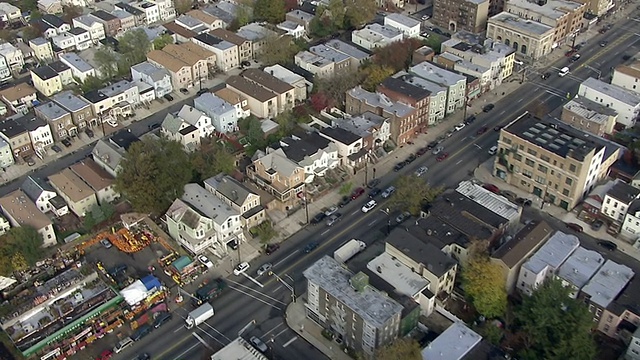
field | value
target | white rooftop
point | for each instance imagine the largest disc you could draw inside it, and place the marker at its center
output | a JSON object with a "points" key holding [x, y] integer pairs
{"points": [[433, 88], [403, 279], [553, 9], [435, 74], [283, 74], [497, 204], [608, 283], [515, 23], [580, 267], [464, 64], [401, 19], [617, 92], [453, 344], [207, 204], [348, 49], [590, 110], [553, 253], [238, 349]]}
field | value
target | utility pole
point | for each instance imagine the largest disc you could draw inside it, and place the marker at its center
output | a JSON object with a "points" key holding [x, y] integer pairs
{"points": [[199, 78], [366, 168], [306, 203]]}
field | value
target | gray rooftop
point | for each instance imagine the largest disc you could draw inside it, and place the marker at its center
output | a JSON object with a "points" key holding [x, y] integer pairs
{"points": [[516, 23], [381, 101], [495, 203], [402, 19], [348, 48], [553, 9], [373, 306], [117, 88], [361, 125], [425, 253], [211, 104], [171, 123], [623, 192], [580, 267], [207, 204], [72, 59], [283, 74], [34, 187], [278, 162], [453, 344], [329, 53], [299, 14], [44, 72], [289, 25], [610, 280], [229, 187], [465, 64], [154, 72], [121, 14], [254, 32], [189, 21], [315, 60], [590, 110], [404, 280], [386, 32], [86, 20], [107, 153], [435, 74], [39, 41], [69, 101], [190, 114], [433, 88], [553, 253], [617, 92], [51, 111]]}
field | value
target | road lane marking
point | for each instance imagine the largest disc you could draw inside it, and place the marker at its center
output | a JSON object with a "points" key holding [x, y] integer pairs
{"points": [[280, 333], [188, 350], [216, 330], [459, 161], [520, 100], [254, 290], [202, 341], [324, 232], [355, 212], [252, 279], [274, 328], [277, 289], [254, 297], [290, 341], [285, 259]]}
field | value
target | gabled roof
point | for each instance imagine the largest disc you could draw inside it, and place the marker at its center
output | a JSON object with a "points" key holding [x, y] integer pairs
{"points": [[298, 148], [267, 81], [92, 174], [339, 134], [278, 162], [171, 123], [107, 153], [525, 241], [207, 204], [229, 36], [34, 187], [190, 114], [229, 187]]}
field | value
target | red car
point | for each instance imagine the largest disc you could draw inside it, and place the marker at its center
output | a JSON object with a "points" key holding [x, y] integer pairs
{"points": [[575, 227], [570, 53], [105, 355], [442, 157], [357, 193], [422, 151], [482, 130], [494, 189]]}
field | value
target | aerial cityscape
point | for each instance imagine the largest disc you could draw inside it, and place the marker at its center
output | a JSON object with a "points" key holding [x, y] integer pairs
{"points": [[330, 179]]}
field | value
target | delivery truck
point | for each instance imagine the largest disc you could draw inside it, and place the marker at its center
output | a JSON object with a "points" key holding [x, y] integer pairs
{"points": [[199, 315], [349, 250], [208, 291]]}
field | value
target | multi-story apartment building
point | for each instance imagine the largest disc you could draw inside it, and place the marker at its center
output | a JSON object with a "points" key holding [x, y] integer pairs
{"points": [[261, 102], [80, 68], [21, 211], [41, 49], [603, 290], [437, 100], [551, 160], [6, 154], [589, 116], [196, 57], [618, 201], [12, 55], [239, 102], [627, 76], [279, 176], [375, 35], [39, 132], [345, 302], [46, 80], [415, 96], [285, 93], [19, 98], [532, 40], [457, 15], [245, 48], [223, 114], [127, 20], [226, 53], [455, 83], [577, 270], [17, 136], [300, 84], [78, 195], [177, 129], [81, 111], [625, 102], [409, 27], [153, 75], [180, 72], [59, 120], [92, 25], [257, 35], [239, 197], [403, 118], [111, 23]]}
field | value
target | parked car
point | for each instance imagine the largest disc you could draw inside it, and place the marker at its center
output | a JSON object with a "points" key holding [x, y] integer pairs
{"points": [[459, 127], [66, 142], [333, 219], [184, 91], [357, 193], [264, 268], [330, 211], [609, 245], [122, 344], [470, 119], [596, 225], [271, 248], [374, 192], [570, 53], [245, 63], [402, 217], [388, 192], [318, 217], [344, 201], [310, 247], [30, 161], [258, 344], [105, 355], [498, 128], [575, 227], [494, 189], [421, 171], [89, 133], [106, 243], [411, 158], [432, 145], [154, 126], [442, 157], [437, 150], [202, 91], [422, 151], [241, 268], [399, 166], [168, 97], [141, 332], [205, 261], [488, 107], [233, 244], [56, 148], [523, 201], [373, 183], [545, 76], [509, 195], [113, 123], [369, 206]]}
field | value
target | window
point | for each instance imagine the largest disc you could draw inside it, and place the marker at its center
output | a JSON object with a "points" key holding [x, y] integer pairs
{"points": [[540, 179], [572, 168], [568, 181], [517, 157], [542, 168], [529, 162], [532, 152], [527, 173], [565, 192]]}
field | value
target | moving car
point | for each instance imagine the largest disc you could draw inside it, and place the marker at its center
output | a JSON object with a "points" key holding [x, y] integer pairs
{"points": [[421, 171], [545, 76], [333, 219], [264, 268], [241, 268], [575, 57], [369, 206], [205, 261], [388, 192], [357, 193], [271, 248], [488, 107], [106, 243], [609, 245], [493, 150], [258, 344], [143, 356], [604, 43], [563, 72], [575, 227], [310, 247], [442, 157], [459, 127], [482, 130]]}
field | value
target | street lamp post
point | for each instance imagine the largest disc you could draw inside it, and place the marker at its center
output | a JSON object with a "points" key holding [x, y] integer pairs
{"points": [[286, 284], [306, 203], [387, 212]]}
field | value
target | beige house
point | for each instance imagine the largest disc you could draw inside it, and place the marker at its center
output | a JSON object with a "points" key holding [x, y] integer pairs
{"points": [[198, 59], [19, 97], [245, 48], [262, 102], [239, 102], [18, 138], [181, 74], [627, 76], [42, 49], [239, 197], [207, 19], [97, 178], [21, 211], [589, 116], [532, 39], [512, 254], [285, 93], [551, 160], [279, 176], [176, 129], [227, 54], [46, 80], [461, 15], [78, 195]]}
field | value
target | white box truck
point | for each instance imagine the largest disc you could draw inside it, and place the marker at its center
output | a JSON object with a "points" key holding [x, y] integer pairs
{"points": [[349, 250], [199, 315]]}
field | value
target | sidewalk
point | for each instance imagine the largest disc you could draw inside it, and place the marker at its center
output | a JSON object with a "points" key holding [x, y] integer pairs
{"points": [[295, 316]]}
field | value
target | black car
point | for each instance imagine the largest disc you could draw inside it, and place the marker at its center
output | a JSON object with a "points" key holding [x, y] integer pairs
{"points": [[66, 142], [373, 183], [143, 356], [399, 166], [89, 133], [374, 192], [154, 126], [470, 119], [626, 57], [318, 218], [422, 151], [609, 245], [245, 63], [233, 244], [523, 201], [184, 91], [545, 75], [310, 247], [161, 319], [410, 159], [56, 148], [432, 144], [271, 248], [488, 107], [344, 201], [596, 225], [142, 331], [168, 97], [438, 31]]}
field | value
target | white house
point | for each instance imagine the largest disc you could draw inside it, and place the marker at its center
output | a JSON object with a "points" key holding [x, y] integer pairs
{"points": [[166, 9], [617, 201], [92, 25], [198, 119], [292, 29], [350, 146], [633, 351], [544, 263], [6, 154], [151, 11], [410, 27], [199, 221], [297, 81], [12, 55], [9, 13], [311, 151], [39, 132], [5, 71], [20, 211], [375, 35], [455, 84], [625, 102], [627, 76], [630, 229], [66, 41], [153, 75], [122, 91], [44, 196], [79, 67], [223, 115]]}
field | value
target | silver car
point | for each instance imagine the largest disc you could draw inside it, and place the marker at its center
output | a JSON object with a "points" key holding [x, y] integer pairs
{"points": [[258, 344], [264, 268], [388, 192], [437, 150], [421, 171]]}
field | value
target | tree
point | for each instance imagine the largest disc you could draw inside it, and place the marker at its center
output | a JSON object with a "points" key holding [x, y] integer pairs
{"points": [[134, 45], [278, 50], [31, 32], [484, 284], [345, 189], [411, 193], [153, 174], [319, 101], [162, 41], [211, 159], [271, 11], [435, 43], [337, 13], [374, 75], [7, 35], [91, 83], [107, 61], [359, 12], [321, 26], [401, 348], [265, 232], [25, 240], [554, 325], [336, 87], [397, 55], [183, 6], [287, 123], [70, 12]]}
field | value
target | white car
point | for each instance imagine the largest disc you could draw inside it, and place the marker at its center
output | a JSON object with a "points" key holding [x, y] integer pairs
{"points": [[330, 211], [241, 268], [368, 206], [459, 127], [205, 261], [112, 123], [421, 170]]}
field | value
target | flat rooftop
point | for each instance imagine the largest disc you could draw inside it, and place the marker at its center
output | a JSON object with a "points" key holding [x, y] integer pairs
{"points": [[518, 24], [527, 239], [619, 93], [381, 101], [453, 344], [553, 253], [370, 304], [610, 280], [238, 349], [348, 48], [433, 88], [402, 19], [552, 9], [580, 267], [399, 276], [497, 204], [590, 110], [329, 53], [436, 74], [422, 252]]}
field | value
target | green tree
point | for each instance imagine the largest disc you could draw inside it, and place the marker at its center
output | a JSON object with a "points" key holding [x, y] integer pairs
{"points": [[211, 159], [91, 83], [134, 46], [160, 42], [278, 50], [337, 12], [411, 193], [359, 12], [321, 26], [345, 189], [7, 35], [397, 55], [435, 43], [26, 241], [374, 75], [70, 12], [555, 326], [287, 123], [265, 232], [401, 348], [336, 87], [271, 11], [183, 6], [107, 61], [153, 174], [30, 32], [484, 284]]}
